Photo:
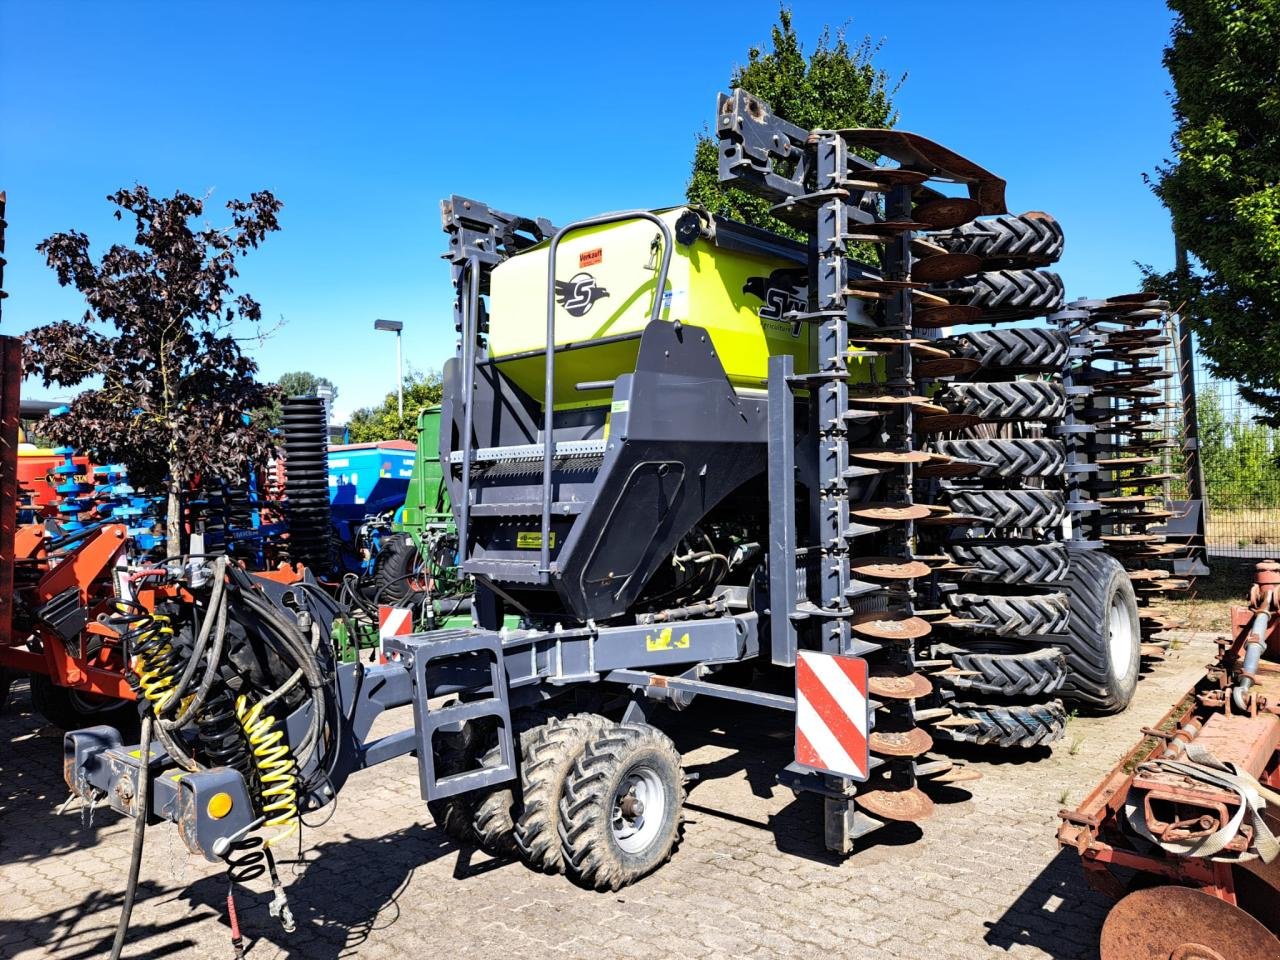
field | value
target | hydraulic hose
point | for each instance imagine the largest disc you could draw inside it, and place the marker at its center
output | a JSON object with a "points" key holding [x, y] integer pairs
{"points": [[1252, 656], [139, 832], [202, 637]]}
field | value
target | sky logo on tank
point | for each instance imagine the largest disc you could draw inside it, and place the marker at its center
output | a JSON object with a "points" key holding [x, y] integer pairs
{"points": [[579, 293], [784, 291]]}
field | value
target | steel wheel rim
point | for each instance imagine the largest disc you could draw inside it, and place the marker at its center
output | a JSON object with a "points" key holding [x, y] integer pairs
{"points": [[635, 828], [1120, 636]]}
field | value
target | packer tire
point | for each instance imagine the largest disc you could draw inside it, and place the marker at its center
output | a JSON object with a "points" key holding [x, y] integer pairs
{"points": [[1007, 294], [1011, 562], [1012, 350], [1005, 670], [1021, 509], [1012, 726], [548, 760], [1009, 459], [1103, 651], [1014, 400], [456, 752], [70, 710], [592, 851], [1033, 615], [1031, 239]]}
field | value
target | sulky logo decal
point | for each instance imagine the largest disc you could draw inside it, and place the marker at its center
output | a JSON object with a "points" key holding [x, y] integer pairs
{"points": [[783, 291], [579, 293]]}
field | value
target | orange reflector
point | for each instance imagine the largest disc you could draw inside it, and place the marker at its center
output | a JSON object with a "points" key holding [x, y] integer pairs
{"points": [[219, 805]]}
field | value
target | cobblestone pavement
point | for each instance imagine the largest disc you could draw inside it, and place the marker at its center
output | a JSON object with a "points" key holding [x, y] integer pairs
{"points": [[982, 878]]}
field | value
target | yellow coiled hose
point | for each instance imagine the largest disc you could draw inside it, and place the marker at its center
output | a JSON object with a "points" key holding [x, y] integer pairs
{"points": [[156, 662], [277, 769]]}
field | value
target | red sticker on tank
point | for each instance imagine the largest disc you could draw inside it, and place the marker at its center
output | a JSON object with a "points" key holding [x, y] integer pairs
{"points": [[590, 258]]}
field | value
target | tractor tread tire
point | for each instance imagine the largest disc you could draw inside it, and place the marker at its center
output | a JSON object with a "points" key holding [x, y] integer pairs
{"points": [[1004, 670], [1011, 562], [592, 855], [1012, 350], [548, 760], [1033, 615], [1007, 294], [1010, 508], [454, 815], [1028, 239], [1014, 400], [1009, 459], [1016, 726], [1094, 579], [495, 811]]}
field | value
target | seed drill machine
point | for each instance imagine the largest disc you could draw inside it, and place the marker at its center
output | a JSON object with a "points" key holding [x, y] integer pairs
{"points": [[686, 458]]}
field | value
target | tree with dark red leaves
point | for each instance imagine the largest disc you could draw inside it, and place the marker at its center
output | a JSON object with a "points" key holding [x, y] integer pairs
{"points": [[169, 387]]}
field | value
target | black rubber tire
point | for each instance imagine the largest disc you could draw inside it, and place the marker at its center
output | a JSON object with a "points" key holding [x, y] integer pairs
{"points": [[547, 761], [1015, 400], [67, 710], [1007, 294], [1009, 459], [1021, 509], [1011, 562], [393, 569], [456, 752], [1097, 587], [591, 852], [1005, 670], [1016, 726], [1026, 240], [493, 813], [1033, 615], [1012, 350]]}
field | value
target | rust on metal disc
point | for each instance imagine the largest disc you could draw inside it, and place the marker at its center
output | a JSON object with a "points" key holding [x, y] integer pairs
{"points": [[894, 176], [958, 775], [1121, 539], [889, 626], [888, 568], [890, 456], [942, 267], [947, 212], [900, 743], [949, 367], [910, 804], [894, 683], [948, 316], [1182, 923], [890, 511], [952, 468], [926, 301], [1114, 463], [886, 400]]}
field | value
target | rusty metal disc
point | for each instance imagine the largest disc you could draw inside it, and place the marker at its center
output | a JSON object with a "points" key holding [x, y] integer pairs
{"points": [[888, 568], [893, 176], [1131, 499], [887, 400], [947, 212], [942, 267], [890, 512], [886, 228], [911, 804], [898, 683], [1126, 539], [951, 469], [890, 456], [900, 743], [1182, 923], [947, 422], [875, 284], [1115, 463], [893, 626], [951, 315], [927, 409], [959, 775], [950, 367], [925, 301]]}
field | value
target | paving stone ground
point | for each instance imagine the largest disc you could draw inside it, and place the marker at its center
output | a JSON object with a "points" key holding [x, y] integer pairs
{"points": [[982, 878]]}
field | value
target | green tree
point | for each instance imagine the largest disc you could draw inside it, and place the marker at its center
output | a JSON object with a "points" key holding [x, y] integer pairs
{"points": [[384, 423], [296, 383], [1222, 187], [835, 86]]}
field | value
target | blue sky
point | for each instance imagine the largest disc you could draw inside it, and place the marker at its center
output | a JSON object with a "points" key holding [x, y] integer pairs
{"points": [[362, 116]]}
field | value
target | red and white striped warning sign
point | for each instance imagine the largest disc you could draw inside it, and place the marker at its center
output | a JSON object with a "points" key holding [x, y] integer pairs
{"points": [[831, 714], [392, 622]]}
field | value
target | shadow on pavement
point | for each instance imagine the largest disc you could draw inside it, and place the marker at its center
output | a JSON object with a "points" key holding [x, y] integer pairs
{"points": [[1056, 913]]}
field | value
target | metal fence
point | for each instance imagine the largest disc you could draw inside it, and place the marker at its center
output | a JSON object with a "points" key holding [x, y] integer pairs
{"points": [[1240, 461]]}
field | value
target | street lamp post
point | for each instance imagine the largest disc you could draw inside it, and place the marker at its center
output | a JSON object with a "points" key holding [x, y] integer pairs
{"points": [[395, 326]]}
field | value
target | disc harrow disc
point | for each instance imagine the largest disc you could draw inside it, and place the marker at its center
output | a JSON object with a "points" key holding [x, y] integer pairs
{"points": [[894, 683], [947, 212], [894, 457], [944, 267], [910, 804], [1183, 923], [888, 568], [900, 743], [950, 367], [893, 626], [890, 512], [947, 422], [951, 315]]}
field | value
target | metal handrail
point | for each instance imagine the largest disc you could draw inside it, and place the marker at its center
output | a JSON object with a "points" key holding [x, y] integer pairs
{"points": [[548, 447]]}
